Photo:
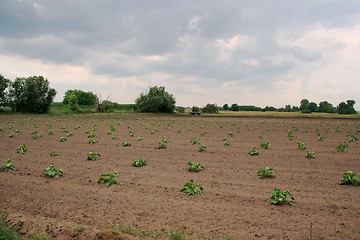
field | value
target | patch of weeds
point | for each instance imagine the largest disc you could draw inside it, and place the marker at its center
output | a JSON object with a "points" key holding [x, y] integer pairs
{"points": [[192, 189], [202, 148], [54, 153], [195, 167], [139, 162], [342, 147], [301, 146], [22, 149], [351, 178], [310, 155], [253, 152], [264, 144], [108, 178], [176, 235], [7, 166], [279, 197], [265, 172], [93, 156], [52, 172]]}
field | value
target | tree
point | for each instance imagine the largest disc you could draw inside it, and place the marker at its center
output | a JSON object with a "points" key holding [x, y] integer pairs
{"points": [[32, 95], [312, 107], [195, 109], [210, 108], [84, 98], [157, 100], [327, 107], [226, 107], [347, 108], [73, 102], [4, 86], [304, 104], [234, 107]]}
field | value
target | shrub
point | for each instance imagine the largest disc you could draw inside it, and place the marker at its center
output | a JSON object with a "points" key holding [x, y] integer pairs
{"points": [[210, 108], [157, 100]]}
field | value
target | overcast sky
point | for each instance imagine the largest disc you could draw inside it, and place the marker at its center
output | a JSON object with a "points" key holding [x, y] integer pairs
{"points": [[259, 52]]}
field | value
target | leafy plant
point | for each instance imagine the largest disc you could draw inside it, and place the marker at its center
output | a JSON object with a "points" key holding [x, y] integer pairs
{"points": [[11, 135], [92, 135], [301, 146], [161, 145], [22, 149], [54, 153], [7, 166], [93, 156], [342, 147], [62, 139], [291, 135], [266, 172], [352, 138], [52, 172], [310, 155], [114, 137], [108, 178], [202, 148], [195, 167], [350, 177], [253, 152], [166, 140], [37, 136], [50, 132], [279, 197], [193, 141], [176, 235], [139, 162], [92, 141], [264, 144], [126, 144], [321, 138], [227, 143], [140, 139], [192, 189]]}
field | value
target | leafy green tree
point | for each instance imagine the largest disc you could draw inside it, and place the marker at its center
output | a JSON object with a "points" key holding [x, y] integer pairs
{"points": [[347, 108], [210, 108], [31, 95], [73, 102], [195, 109], [234, 107], [157, 100], [226, 107], [4, 86], [327, 107], [304, 104], [84, 98], [312, 107], [180, 109]]}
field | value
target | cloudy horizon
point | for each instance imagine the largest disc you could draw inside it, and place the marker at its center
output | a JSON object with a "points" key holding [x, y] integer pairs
{"points": [[263, 53]]}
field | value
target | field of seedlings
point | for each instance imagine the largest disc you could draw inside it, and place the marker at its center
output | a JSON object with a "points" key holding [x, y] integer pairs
{"points": [[144, 176]]}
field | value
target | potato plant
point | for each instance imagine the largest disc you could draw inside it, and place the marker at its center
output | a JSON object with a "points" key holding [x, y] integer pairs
{"points": [[301, 146], [52, 172], [253, 152], [291, 135], [192, 189], [62, 139], [310, 155], [264, 144], [202, 148], [194, 141], [279, 197], [139, 162], [195, 167], [22, 149], [265, 172], [54, 153], [350, 178], [92, 141], [93, 156], [108, 178], [342, 147], [7, 166]]}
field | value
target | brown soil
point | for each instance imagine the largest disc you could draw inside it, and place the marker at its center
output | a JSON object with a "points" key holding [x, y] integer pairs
{"points": [[235, 202]]}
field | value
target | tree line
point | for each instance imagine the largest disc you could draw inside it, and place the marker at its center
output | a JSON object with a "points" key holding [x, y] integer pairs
{"points": [[34, 95]]}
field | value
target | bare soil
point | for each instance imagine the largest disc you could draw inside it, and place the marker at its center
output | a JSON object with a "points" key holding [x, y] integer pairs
{"points": [[235, 202]]}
